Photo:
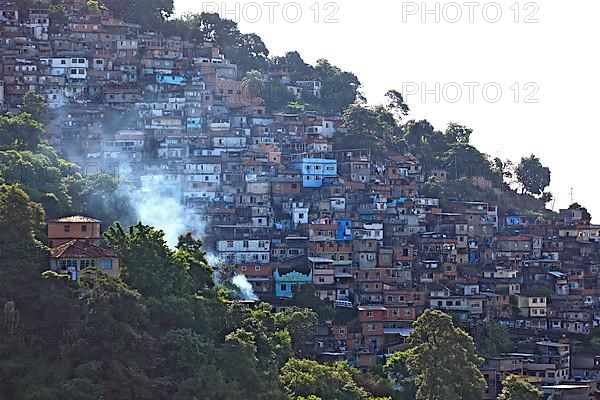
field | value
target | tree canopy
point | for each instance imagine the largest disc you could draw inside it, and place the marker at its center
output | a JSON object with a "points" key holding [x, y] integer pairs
{"points": [[443, 362], [533, 177], [517, 388]]}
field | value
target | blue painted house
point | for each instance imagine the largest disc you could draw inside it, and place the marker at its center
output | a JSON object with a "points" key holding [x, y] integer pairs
{"points": [[314, 170], [344, 229], [170, 80], [514, 220], [193, 123], [285, 282]]}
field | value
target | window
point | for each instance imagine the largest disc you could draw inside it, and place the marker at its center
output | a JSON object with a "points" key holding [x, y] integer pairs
{"points": [[67, 228], [257, 268], [68, 264], [371, 327], [370, 314], [106, 263], [243, 268], [283, 287], [83, 228]]}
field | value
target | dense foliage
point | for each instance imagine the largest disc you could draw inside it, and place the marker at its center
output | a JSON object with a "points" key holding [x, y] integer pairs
{"points": [[517, 388], [443, 363]]}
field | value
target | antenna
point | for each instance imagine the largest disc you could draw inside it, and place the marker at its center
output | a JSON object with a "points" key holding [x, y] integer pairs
{"points": [[572, 189]]}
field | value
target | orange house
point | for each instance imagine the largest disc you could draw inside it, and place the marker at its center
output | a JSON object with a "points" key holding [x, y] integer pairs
{"points": [[76, 227]]}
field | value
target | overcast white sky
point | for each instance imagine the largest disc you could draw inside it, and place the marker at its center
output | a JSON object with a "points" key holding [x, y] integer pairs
{"points": [[553, 61]]}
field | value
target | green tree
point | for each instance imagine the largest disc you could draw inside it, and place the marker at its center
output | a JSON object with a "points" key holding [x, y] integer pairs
{"points": [[464, 160], [295, 65], [41, 175], [276, 96], [306, 378], [23, 256], [396, 103], [248, 51], [115, 336], [397, 370], [150, 266], [417, 133], [340, 88], [517, 388], [504, 169], [367, 127], [20, 132], [492, 339], [301, 324], [305, 296], [443, 362], [151, 14], [547, 197], [459, 133], [189, 254], [532, 175], [94, 6], [35, 104]]}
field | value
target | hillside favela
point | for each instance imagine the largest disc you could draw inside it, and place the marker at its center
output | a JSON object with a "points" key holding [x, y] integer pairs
{"points": [[184, 215]]}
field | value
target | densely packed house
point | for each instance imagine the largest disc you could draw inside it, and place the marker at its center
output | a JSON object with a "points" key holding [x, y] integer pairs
{"points": [[272, 195]]}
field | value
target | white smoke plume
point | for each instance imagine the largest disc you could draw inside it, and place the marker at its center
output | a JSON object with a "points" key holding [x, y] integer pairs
{"points": [[245, 287], [160, 212], [159, 205], [213, 260]]}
